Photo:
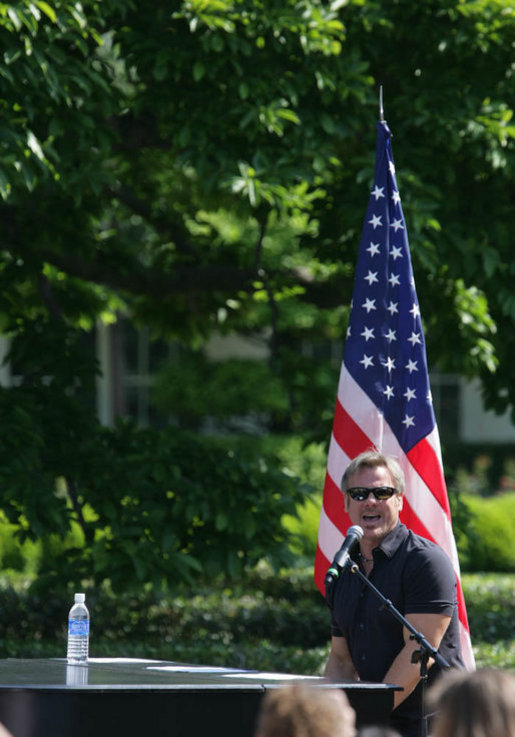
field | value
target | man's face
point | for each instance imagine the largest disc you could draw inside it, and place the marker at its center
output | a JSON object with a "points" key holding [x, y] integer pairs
{"points": [[377, 518]]}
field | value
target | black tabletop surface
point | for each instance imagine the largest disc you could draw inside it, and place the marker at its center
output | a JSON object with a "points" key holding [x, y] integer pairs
{"points": [[129, 673]]}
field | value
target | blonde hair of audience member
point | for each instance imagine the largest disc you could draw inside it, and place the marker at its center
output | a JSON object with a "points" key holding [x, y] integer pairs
{"points": [[303, 711], [378, 730], [477, 704]]}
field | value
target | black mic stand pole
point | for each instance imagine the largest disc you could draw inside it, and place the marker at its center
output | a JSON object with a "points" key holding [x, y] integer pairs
{"points": [[419, 656]]}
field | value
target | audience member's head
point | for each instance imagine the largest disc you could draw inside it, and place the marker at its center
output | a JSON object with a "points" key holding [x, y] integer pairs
{"points": [[305, 711], [378, 730], [474, 704]]}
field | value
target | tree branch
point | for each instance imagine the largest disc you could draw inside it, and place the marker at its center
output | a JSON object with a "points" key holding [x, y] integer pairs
{"points": [[263, 222], [198, 279], [161, 224]]}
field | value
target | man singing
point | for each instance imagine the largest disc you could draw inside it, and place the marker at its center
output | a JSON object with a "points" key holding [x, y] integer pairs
{"points": [[367, 642]]}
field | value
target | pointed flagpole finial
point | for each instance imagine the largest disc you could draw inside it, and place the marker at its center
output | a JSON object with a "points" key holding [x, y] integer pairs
{"points": [[381, 111]]}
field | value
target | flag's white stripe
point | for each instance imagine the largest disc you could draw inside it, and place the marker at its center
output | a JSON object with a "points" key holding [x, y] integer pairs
{"points": [[359, 405], [431, 514], [329, 536], [434, 441], [365, 414], [466, 648]]}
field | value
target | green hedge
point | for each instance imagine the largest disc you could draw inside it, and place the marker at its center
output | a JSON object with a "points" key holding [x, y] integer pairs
{"points": [[486, 543], [266, 622]]}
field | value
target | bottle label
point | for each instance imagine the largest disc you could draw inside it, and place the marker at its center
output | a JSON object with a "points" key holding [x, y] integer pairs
{"points": [[78, 627]]}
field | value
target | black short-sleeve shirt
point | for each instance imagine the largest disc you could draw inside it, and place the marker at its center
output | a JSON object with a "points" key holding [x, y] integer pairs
{"points": [[417, 577]]}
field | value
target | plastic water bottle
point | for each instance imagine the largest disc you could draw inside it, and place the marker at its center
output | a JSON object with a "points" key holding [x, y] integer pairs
{"points": [[78, 631]]}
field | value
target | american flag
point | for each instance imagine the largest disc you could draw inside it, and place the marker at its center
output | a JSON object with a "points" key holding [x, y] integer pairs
{"points": [[384, 396]]}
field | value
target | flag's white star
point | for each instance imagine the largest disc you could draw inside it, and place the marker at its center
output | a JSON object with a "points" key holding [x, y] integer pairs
{"points": [[376, 220], [373, 248], [397, 224], [394, 280], [348, 332], [410, 394], [389, 392], [371, 277], [368, 333], [367, 361], [389, 364], [377, 192], [414, 338], [408, 421], [390, 335], [415, 311], [429, 396], [396, 197], [392, 308], [396, 252], [391, 166], [369, 304], [412, 366]]}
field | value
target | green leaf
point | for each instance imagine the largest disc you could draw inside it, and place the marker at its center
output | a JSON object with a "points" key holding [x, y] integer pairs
{"points": [[47, 10], [199, 71]]}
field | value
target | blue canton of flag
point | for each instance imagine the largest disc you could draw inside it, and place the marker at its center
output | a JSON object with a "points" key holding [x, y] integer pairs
{"points": [[385, 347]]}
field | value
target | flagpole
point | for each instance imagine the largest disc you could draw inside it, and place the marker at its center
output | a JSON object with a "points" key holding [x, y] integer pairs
{"points": [[381, 111]]}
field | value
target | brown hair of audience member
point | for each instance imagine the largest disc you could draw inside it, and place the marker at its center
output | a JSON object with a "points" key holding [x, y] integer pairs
{"points": [[299, 710], [474, 704]]}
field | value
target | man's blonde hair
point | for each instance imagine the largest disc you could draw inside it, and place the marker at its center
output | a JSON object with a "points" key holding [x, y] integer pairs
{"points": [[373, 458]]}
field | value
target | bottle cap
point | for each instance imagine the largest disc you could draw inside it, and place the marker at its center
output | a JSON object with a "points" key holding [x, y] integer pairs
{"points": [[80, 598]]}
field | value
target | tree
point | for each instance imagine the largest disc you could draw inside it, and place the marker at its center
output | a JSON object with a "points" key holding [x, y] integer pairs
{"points": [[205, 167]]}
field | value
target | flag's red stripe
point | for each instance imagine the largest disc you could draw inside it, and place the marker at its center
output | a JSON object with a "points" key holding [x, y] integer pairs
{"points": [[348, 434], [413, 522], [333, 500], [462, 609], [321, 566], [427, 464]]}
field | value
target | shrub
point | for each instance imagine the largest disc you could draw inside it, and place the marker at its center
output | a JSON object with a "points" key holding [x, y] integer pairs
{"points": [[487, 543]]}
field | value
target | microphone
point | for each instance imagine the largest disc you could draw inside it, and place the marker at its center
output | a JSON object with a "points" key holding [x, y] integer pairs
{"points": [[342, 557]]}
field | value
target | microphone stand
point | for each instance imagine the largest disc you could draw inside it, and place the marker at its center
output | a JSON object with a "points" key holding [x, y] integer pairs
{"points": [[421, 656]]}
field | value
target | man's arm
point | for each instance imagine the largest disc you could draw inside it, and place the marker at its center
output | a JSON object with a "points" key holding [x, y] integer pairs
{"points": [[402, 671], [339, 666]]}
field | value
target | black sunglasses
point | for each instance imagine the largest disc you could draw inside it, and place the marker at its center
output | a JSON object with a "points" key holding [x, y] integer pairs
{"points": [[360, 493]]}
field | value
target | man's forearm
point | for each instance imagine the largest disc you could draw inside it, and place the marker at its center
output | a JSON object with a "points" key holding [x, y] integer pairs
{"points": [[337, 670], [403, 673]]}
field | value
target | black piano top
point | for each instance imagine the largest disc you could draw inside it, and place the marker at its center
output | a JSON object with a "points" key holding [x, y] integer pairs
{"points": [[132, 673], [49, 698]]}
